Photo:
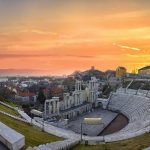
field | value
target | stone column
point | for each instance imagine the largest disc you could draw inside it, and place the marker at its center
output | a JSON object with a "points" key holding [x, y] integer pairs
{"points": [[50, 108], [54, 106], [67, 103], [81, 98], [79, 86], [74, 102], [58, 107], [92, 96], [45, 107], [75, 99]]}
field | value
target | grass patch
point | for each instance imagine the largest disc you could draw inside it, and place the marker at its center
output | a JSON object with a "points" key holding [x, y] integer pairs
{"points": [[8, 110], [10, 103], [33, 135], [137, 143]]}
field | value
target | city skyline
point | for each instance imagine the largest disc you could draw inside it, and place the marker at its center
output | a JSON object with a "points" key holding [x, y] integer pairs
{"points": [[58, 37]]}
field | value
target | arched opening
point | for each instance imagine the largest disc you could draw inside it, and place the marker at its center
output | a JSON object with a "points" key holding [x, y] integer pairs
{"points": [[100, 105]]}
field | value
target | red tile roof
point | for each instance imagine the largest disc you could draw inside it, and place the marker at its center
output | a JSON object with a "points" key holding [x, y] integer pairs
{"points": [[25, 94]]}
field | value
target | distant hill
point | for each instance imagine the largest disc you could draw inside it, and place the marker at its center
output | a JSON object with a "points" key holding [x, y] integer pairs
{"points": [[10, 72], [86, 75]]}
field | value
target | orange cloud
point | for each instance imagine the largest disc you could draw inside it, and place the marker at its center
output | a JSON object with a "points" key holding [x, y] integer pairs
{"points": [[127, 47], [61, 38]]}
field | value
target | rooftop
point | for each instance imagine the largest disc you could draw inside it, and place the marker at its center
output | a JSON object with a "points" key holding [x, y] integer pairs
{"points": [[120, 67], [25, 94], [146, 67]]}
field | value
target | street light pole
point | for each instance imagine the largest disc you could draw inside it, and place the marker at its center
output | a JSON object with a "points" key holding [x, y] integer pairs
{"points": [[90, 121], [139, 88], [43, 122], [81, 131]]}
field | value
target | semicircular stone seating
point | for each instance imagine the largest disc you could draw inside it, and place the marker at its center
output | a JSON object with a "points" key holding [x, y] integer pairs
{"points": [[137, 109]]}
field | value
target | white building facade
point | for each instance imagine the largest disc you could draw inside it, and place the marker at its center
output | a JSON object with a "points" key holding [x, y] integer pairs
{"points": [[75, 103], [144, 72]]}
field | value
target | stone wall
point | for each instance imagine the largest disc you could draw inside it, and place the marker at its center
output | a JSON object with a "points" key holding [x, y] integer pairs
{"points": [[12, 139]]}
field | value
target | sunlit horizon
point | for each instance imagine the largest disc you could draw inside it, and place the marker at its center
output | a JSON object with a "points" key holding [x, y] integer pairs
{"points": [[46, 37]]}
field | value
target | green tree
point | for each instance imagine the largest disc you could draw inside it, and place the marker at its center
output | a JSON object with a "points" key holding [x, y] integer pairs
{"points": [[41, 97], [5, 93]]}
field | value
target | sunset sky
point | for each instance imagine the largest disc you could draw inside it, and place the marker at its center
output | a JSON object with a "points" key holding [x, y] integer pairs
{"points": [[55, 37]]}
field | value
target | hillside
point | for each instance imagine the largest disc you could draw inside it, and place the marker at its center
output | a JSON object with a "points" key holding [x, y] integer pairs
{"points": [[86, 75]]}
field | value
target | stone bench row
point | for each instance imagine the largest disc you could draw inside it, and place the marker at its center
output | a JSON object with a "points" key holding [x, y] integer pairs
{"points": [[132, 127], [4, 104], [127, 101], [126, 135], [135, 105], [136, 108], [20, 112], [14, 117], [145, 93], [60, 145], [24, 115]]}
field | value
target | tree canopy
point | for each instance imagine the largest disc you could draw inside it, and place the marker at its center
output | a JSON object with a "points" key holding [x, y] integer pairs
{"points": [[41, 97]]}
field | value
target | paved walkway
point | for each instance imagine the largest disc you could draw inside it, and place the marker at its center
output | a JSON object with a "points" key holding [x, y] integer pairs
{"points": [[93, 130]]}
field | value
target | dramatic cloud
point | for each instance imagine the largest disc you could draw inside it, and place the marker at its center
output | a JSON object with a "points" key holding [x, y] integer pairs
{"points": [[65, 35], [127, 47]]}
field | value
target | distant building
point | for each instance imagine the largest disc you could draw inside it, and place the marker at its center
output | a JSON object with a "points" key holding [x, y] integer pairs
{"points": [[121, 71], [92, 68], [25, 97], [3, 79], [110, 73], [145, 71], [73, 104]]}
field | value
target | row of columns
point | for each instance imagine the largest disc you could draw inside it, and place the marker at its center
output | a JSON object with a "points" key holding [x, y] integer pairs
{"points": [[78, 86], [76, 99], [92, 85], [93, 89], [51, 106], [92, 96]]}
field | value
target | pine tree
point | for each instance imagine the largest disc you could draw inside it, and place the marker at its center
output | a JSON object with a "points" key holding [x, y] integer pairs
{"points": [[41, 97]]}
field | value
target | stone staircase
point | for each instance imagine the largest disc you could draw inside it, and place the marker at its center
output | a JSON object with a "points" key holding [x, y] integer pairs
{"points": [[60, 145]]}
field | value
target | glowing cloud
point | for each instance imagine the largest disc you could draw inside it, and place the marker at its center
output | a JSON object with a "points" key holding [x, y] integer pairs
{"points": [[127, 47], [61, 36]]}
